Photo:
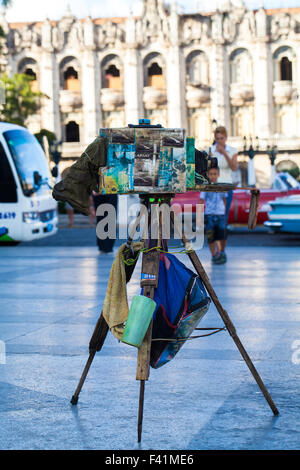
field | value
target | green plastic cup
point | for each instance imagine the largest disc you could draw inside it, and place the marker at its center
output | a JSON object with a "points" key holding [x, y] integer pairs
{"points": [[139, 318]]}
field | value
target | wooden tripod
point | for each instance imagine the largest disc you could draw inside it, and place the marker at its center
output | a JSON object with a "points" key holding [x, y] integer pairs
{"points": [[149, 281]]}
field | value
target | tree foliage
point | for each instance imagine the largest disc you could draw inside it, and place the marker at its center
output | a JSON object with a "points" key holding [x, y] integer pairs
{"points": [[51, 137], [5, 4], [20, 100]]}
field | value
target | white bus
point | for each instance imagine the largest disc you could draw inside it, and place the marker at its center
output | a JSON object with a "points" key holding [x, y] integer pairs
{"points": [[27, 209]]}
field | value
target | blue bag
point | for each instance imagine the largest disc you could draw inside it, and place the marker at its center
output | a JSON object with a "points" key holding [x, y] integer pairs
{"points": [[182, 302]]}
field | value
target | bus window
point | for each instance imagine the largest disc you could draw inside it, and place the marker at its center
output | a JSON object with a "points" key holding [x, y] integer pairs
{"points": [[28, 157], [8, 192]]}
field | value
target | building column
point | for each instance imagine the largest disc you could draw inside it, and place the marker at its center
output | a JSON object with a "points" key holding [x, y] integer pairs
{"points": [[133, 86], [90, 100], [296, 83], [49, 84], [263, 86], [175, 89], [175, 79], [133, 76]]}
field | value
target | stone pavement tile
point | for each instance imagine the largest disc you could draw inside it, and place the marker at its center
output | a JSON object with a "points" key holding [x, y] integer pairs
{"points": [[47, 291], [192, 385], [11, 331], [244, 423], [43, 254], [106, 415], [206, 398], [63, 276], [254, 340], [56, 334], [20, 307]]}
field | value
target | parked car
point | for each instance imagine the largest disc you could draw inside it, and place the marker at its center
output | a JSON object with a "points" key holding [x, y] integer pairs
{"points": [[284, 185], [285, 214]]}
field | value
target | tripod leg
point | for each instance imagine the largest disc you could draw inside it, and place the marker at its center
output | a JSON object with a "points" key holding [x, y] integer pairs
{"points": [[229, 325], [74, 399], [99, 335], [143, 368], [141, 410], [143, 365]]}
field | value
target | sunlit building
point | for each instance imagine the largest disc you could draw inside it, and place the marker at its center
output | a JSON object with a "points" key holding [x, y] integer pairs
{"points": [[234, 67]]}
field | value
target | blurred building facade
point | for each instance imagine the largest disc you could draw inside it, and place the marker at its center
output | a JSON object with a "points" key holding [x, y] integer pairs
{"points": [[234, 67]]}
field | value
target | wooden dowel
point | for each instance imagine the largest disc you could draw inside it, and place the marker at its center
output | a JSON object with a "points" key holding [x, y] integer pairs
{"points": [[99, 334], [74, 399], [253, 211], [141, 410]]}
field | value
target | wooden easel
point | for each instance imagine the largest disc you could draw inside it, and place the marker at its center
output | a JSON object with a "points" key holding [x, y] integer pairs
{"points": [[149, 281]]}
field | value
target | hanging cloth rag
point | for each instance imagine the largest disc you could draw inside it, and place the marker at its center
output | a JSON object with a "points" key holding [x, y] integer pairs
{"points": [[115, 308]]}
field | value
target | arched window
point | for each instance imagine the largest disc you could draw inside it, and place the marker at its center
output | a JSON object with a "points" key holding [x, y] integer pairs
{"points": [[242, 121], [113, 77], [72, 132], [69, 74], [197, 68], [71, 81], [154, 71], [112, 71], [29, 67], [286, 72], [284, 60], [30, 73], [155, 76]]}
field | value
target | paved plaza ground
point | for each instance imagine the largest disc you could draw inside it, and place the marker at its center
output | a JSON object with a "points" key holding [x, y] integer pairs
{"points": [[205, 398]]}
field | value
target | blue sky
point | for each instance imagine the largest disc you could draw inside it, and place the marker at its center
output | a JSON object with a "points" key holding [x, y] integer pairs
{"points": [[34, 10]]}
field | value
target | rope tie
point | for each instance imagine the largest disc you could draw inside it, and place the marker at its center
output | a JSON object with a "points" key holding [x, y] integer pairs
{"points": [[217, 330]]}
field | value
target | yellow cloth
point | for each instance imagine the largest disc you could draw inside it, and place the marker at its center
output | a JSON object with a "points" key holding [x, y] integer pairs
{"points": [[115, 308]]}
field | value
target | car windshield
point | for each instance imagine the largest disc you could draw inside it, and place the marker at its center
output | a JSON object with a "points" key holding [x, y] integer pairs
{"points": [[290, 182], [28, 157]]}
